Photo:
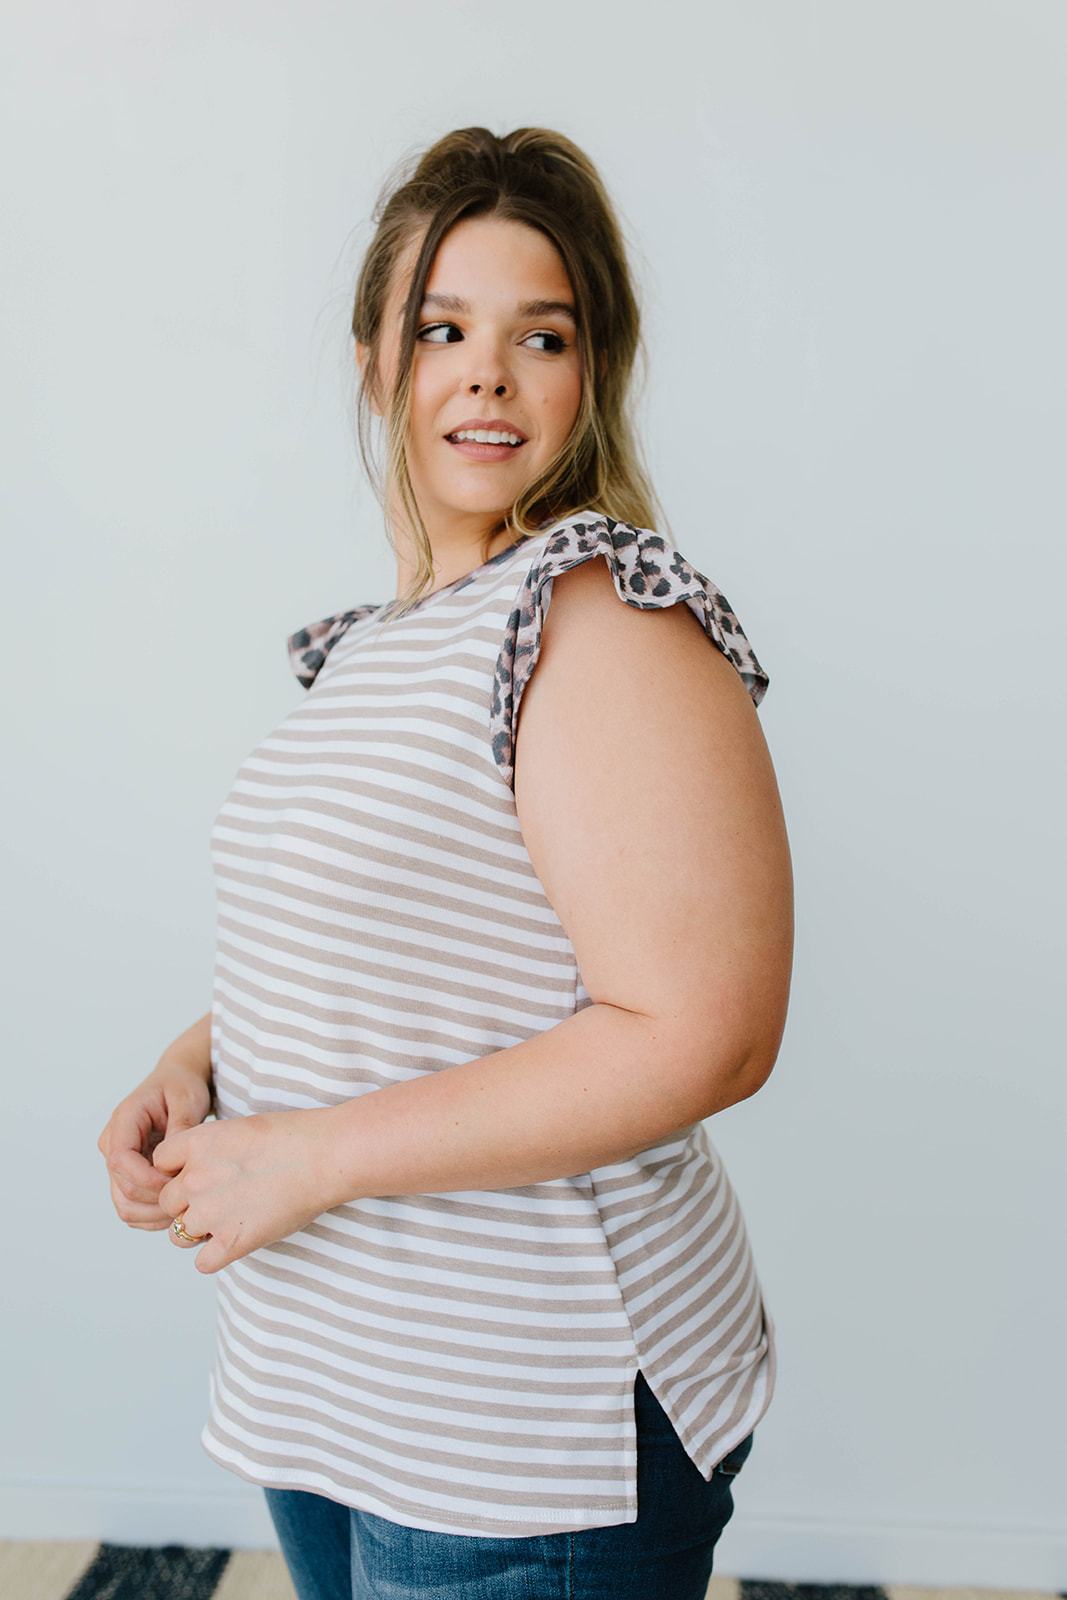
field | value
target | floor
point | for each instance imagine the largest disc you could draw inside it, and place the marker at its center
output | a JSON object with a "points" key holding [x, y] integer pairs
{"points": [[84, 1570]]}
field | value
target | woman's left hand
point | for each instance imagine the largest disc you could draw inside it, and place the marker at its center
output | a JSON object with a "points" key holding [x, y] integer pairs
{"points": [[245, 1181]]}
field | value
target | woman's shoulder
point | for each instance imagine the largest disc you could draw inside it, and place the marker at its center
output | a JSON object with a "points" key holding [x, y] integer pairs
{"points": [[648, 572]]}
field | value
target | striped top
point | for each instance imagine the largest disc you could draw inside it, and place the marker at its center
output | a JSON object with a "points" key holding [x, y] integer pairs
{"points": [[459, 1362]]}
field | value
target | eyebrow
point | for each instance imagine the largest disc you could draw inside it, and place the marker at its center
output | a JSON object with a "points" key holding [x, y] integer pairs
{"points": [[528, 308]]}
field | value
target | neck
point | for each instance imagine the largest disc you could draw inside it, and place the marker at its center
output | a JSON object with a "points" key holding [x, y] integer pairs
{"points": [[464, 549]]}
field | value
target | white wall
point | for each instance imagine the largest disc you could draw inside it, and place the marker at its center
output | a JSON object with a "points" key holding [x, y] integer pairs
{"points": [[849, 224]]}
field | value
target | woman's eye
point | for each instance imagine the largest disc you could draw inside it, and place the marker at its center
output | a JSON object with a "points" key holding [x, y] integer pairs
{"points": [[560, 344], [554, 348], [435, 327]]}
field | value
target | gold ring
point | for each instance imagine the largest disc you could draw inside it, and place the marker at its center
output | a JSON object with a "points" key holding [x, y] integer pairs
{"points": [[177, 1227]]}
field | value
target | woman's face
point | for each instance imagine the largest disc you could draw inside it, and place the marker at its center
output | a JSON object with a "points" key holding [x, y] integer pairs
{"points": [[494, 341]]}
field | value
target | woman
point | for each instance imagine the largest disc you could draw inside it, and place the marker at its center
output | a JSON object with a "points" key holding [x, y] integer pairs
{"points": [[489, 1324]]}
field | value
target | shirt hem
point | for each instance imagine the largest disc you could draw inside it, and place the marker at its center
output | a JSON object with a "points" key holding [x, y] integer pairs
{"points": [[422, 1517]]}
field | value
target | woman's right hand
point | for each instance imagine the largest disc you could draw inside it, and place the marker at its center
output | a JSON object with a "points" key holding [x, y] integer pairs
{"points": [[175, 1095]]}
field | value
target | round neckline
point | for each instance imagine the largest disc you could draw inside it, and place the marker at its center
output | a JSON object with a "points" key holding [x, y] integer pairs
{"points": [[466, 577]]}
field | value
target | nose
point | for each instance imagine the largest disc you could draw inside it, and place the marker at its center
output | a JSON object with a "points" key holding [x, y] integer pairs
{"points": [[488, 369]]}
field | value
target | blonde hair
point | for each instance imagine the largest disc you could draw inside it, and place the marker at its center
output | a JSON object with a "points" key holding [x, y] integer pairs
{"points": [[538, 177]]}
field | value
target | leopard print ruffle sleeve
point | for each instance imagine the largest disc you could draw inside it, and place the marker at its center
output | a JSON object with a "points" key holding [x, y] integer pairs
{"points": [[648, 572], [309, 646]]}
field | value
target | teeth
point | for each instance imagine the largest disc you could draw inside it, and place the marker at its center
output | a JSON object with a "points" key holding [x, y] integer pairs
{"points": [[486, 436]]}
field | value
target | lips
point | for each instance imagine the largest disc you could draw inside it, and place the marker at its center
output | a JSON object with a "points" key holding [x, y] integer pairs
{"points": [[473, 451]]}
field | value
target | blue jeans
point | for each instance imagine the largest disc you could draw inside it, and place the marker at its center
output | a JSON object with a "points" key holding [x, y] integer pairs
{"points": [[336, 1552]]}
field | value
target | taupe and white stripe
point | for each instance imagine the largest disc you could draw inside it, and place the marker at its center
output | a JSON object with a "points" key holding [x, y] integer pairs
{"points": [[460, 1362]]}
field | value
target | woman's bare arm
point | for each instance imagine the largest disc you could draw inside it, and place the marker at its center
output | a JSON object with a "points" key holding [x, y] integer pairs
{"points": [[651, 812], [192, 1048]]}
